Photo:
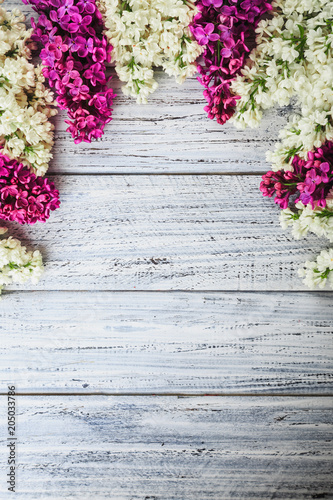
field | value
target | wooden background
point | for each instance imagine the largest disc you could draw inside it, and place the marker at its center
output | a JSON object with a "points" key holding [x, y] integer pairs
{"points": [[170, 351]]}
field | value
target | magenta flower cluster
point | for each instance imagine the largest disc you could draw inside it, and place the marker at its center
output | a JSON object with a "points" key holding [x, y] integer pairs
{"points": [[311, 180], [25, 198], [224, 27], [74, 54]]}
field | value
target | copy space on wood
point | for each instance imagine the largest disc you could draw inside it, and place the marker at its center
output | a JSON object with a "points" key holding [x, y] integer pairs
{"points": [[171, 448], [167, 342]]}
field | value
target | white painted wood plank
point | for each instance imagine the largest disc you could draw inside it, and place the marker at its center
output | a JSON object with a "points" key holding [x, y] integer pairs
{"points": [[174, 449], [166, 233], [167, 342], [166, 137], [171, 134]]}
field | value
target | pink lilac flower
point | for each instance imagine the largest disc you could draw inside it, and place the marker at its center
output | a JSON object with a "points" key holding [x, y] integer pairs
{"points": [[203, 35], [74, 54], [310, 182], [224, 26], [25, 198]]}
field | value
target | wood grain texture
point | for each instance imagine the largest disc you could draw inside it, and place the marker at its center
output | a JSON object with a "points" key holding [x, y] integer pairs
{"points": [[166, 233], [174, 449], [167, 342]]}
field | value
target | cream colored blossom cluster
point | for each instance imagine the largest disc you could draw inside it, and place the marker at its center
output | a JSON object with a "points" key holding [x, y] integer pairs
{"points": [[26, 106], [148, 33], [17, 265], [320, 271], [293, 60]]}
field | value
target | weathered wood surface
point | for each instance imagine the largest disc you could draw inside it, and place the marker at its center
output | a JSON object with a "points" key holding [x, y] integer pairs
{"points": [[167, 233], [171, 134], [175, 449], [167, 343]]}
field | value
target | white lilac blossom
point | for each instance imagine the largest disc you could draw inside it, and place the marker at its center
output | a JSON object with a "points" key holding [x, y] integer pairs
{"points": [[305, 219], [320, 271], [148, 33], [26, 134], [293, 59], [17, 265]]}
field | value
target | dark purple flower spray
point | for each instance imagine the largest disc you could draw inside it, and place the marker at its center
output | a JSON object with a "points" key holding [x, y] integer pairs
{"points": [[74, 54], [224, 27]]}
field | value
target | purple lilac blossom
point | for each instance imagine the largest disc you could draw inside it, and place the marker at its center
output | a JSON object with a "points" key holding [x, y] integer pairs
{"points": [[311, 180], [25, 198], [74, 54], [233, 23]]}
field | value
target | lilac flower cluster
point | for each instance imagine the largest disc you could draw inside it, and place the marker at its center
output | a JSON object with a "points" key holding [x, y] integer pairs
{"points": [[311, 180], [224, 26], [74, 54], [25, 198]]}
